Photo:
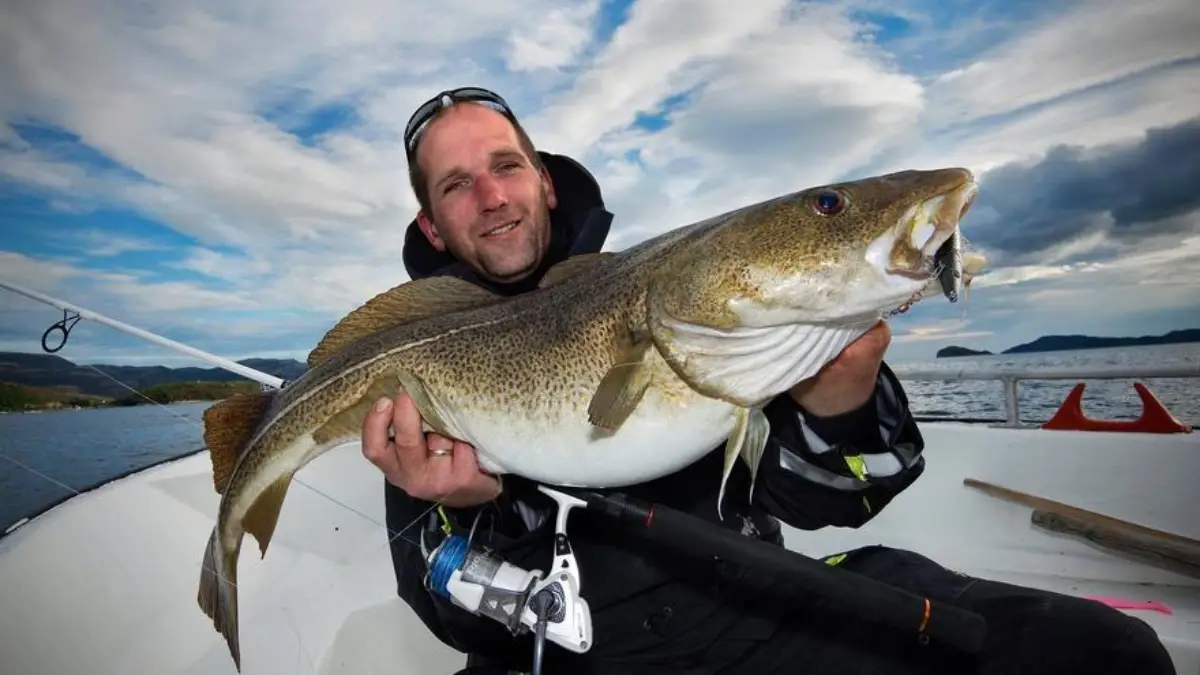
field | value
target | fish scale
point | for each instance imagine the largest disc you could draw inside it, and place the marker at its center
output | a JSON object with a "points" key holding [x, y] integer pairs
{"points": [[621, 368]]}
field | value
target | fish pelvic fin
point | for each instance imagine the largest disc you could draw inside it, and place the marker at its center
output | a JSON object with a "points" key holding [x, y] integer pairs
{"points": [[748, 441], [622, 387], [411, 301], [228, 427], [218, 593], [568, 268], [263, 515]]}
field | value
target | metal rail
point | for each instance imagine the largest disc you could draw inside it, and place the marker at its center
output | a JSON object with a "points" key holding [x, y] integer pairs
{"points": [[1011, 376]]}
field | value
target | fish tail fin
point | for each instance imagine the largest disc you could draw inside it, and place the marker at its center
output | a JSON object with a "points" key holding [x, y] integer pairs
{"points": [[218, 593], [229, 425]]}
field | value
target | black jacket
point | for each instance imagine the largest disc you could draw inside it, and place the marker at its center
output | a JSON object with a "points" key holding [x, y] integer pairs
{"points": [[651, 605]]}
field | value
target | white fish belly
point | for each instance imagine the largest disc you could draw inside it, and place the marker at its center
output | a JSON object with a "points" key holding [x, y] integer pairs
{"points": [[656, 440]]}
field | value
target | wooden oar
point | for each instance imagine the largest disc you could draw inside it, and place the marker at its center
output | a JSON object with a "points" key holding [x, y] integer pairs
{"points": [[1171, 551]]}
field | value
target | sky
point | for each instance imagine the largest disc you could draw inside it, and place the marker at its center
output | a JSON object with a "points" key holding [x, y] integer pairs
{"points": [[230, 174]]}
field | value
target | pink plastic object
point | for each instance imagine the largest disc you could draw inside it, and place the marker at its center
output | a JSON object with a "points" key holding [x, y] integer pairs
{"points": [[1117, 603]]}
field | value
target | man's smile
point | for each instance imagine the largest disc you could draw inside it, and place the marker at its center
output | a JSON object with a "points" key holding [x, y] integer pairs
{"points": [[503, 229]]}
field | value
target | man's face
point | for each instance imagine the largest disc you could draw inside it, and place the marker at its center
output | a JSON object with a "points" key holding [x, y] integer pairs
{"points": [[490, 206]]}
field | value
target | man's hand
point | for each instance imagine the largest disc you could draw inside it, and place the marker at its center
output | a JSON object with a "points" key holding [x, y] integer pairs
{"points": [[848, 381], [432, 468]]}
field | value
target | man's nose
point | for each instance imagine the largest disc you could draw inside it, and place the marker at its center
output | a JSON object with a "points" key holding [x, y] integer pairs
{"points": [[490, 193]]}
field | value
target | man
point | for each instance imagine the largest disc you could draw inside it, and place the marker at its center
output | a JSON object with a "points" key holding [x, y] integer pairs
{"points": [[498, 213]]}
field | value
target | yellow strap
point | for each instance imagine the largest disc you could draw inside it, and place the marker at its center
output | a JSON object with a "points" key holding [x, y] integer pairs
{"points": [[857, 465], [445, 519], [835, 559]]}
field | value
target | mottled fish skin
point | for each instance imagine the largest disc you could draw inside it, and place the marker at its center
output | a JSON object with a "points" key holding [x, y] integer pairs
{"points": [[687, 335]]}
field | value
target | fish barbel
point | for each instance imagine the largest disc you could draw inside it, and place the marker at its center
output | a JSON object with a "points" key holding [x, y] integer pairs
{"points": [[621, 368]]}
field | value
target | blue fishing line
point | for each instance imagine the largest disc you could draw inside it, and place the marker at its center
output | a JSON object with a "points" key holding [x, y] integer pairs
{"points": [[450, 558]]}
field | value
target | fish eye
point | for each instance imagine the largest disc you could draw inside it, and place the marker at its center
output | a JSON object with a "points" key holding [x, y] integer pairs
{"points": [[828, 202]]}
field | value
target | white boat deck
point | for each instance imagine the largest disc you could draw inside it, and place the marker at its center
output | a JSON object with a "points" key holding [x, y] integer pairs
{"points": [[106, 582]]}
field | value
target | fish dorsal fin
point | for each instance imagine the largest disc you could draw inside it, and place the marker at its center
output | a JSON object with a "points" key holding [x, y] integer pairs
{"points": [[228, 427], [572, 266], [410, 301]]}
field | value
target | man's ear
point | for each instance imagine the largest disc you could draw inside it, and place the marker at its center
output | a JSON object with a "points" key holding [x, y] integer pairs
{"points": [[430, 231], [551, 196]]}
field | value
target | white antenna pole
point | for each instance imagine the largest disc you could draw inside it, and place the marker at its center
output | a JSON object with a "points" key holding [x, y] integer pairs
{"points": [[232, 366]]}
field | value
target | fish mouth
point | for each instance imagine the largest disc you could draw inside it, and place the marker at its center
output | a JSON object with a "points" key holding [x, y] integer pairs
{"points": [[927, 239], [924, 248]]}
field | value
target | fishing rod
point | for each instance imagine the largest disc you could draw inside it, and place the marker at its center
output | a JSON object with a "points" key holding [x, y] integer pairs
{"points": [[869, 598], [68, 323], [551, 607]]}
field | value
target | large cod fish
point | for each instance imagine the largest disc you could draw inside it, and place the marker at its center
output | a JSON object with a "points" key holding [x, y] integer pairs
{"points": [[623, 367]]}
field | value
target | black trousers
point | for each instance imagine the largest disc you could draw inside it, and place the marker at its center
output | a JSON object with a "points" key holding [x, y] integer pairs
{"points": [[1030, 632]]}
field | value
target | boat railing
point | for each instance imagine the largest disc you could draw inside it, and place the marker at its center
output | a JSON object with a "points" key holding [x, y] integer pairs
{"points": [[1012, 376]]}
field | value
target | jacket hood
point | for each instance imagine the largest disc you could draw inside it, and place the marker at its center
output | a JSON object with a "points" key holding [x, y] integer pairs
{"points": [[578, 224]]}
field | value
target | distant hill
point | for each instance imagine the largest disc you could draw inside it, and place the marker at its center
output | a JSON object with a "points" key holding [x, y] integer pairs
{"points": [[1056, 343], [952, 351], [50, 371]]}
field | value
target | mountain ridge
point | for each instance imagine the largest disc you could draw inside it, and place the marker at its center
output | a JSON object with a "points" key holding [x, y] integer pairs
{"points": [[1071, 342]]}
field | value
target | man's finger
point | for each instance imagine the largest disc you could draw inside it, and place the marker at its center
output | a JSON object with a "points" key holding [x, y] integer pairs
{"points": [[440, 448], [406, 425], [466, 465], [375, 436]]}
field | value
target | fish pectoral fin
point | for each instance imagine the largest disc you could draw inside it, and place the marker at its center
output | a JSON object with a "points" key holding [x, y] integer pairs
{"points": [[347, 423], [748, 441], [263, 515], [228, 427], [622, 387], [425, 400], [411, 301], [572, 266]]}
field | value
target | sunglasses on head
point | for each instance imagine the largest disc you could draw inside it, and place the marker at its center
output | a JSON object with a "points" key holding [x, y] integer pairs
{"points": [[429, 109]]}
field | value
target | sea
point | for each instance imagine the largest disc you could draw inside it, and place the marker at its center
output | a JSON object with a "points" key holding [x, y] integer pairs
{"points": [[46, 457]]}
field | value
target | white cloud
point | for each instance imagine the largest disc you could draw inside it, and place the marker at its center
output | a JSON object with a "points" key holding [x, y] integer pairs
{"points": [[101, 289], [1097, 42], [658, 51], [199, 104], [938, 330], [1119, 113], [755, 124], [554, 41], [1166, 278]]}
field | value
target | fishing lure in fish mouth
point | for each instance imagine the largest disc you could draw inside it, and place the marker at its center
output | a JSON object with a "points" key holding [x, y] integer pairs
{"points": [[949, 263]]}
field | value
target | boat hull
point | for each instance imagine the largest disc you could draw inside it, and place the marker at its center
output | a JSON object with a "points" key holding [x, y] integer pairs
{"points": [[105, 582]]}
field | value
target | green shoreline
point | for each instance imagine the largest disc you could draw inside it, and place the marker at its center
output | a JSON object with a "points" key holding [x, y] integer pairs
{"points": [[22, 398]]}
